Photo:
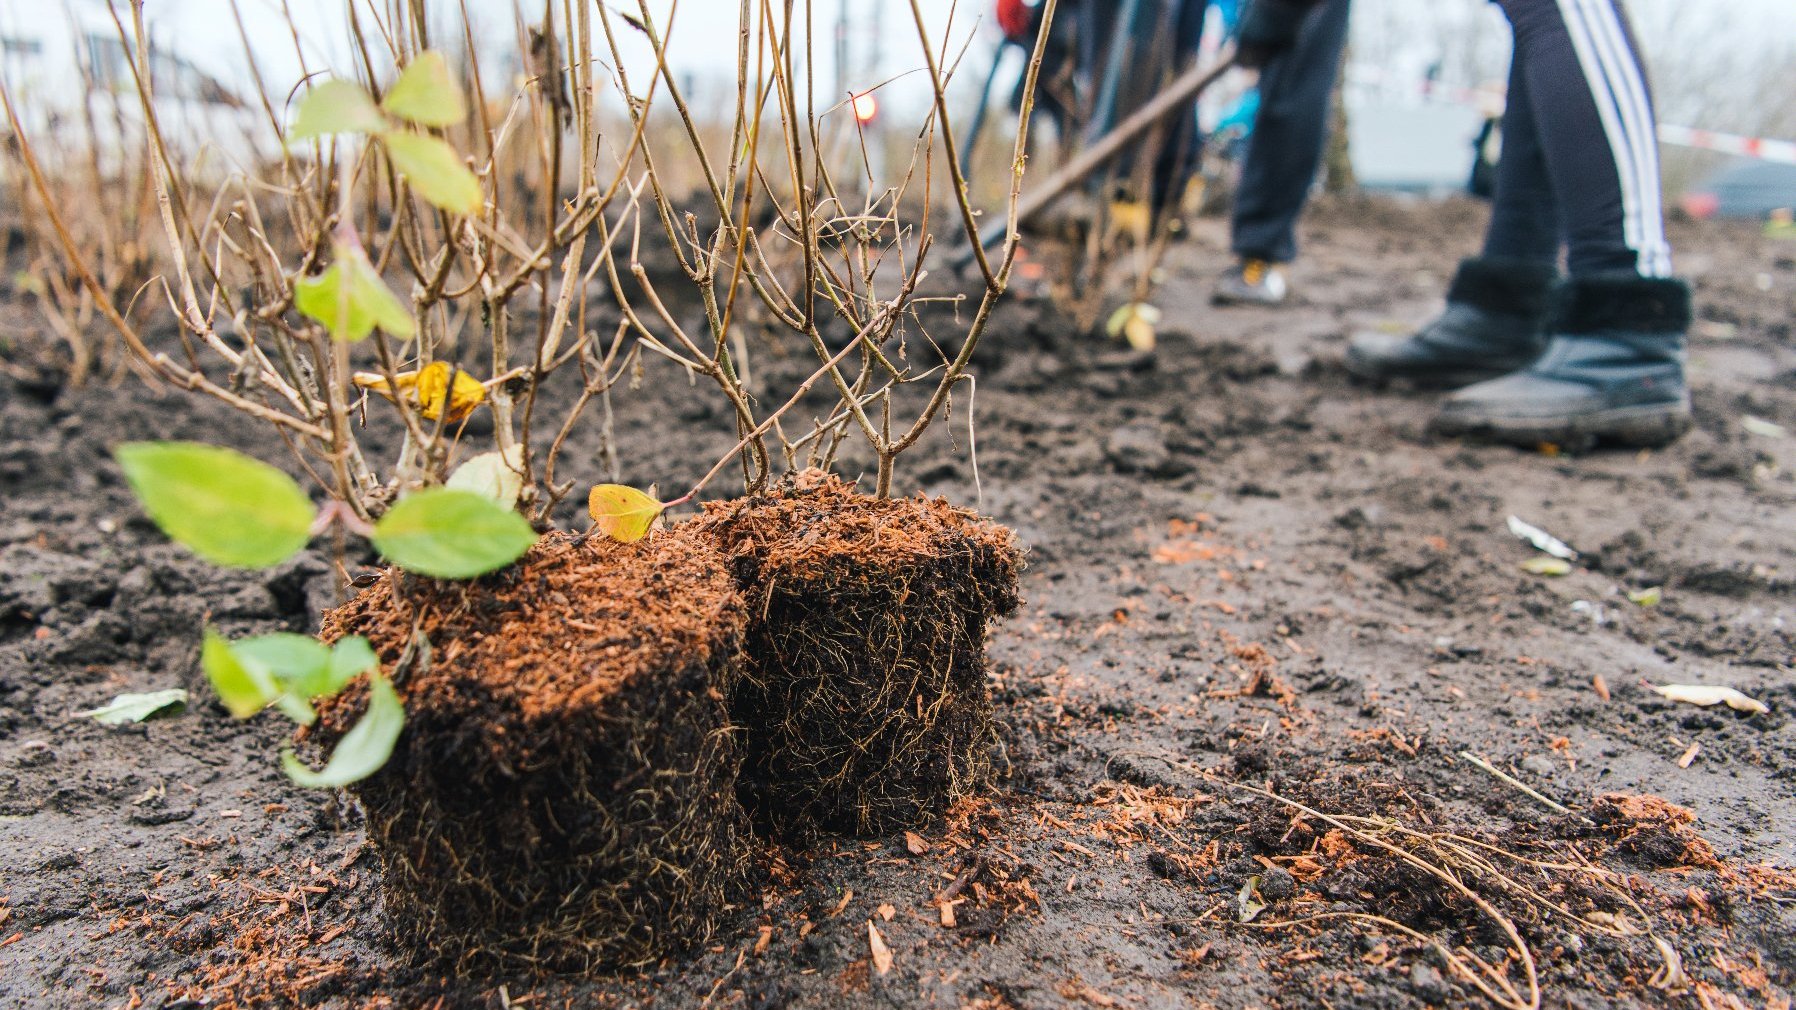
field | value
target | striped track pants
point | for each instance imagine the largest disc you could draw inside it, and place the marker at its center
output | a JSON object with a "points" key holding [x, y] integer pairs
{"points": [[1580, 164]]}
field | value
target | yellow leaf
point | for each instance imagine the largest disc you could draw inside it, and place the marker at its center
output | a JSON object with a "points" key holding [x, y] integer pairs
{"points": [[428, 388], [622, 513]]}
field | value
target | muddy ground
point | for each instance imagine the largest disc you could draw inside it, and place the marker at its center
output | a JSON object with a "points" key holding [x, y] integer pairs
{"points": [[1267, 616]]}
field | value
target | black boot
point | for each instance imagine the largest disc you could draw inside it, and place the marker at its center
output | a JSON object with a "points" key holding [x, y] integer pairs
{"points": [[1493, 325], [1613, 371]]}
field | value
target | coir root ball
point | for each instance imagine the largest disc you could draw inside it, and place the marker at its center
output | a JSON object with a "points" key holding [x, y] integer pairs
{"points": [[563, 796], [863, 702]]}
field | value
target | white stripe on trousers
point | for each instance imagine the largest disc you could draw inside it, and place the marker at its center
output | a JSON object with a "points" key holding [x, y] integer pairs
{"points": [[1630, 92], [1612, 75]]}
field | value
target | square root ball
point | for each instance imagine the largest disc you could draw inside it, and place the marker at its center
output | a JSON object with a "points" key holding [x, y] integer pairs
{"points": [[863, 701], [563, 796]]}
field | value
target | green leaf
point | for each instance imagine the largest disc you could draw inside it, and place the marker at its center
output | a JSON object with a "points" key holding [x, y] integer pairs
{"points": [[351, 658], [353, 313], [427, 93], [222, 505], [1651, 596], [138, 707], [293, 663], [622, 513], [494, 475], [450, 534], [364, 749], [335, 106], [244, 689], [435, 171]]}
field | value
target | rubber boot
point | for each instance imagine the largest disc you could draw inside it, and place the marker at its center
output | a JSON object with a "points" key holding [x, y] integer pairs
{"points": [[1613, 371], [1494, 323]]}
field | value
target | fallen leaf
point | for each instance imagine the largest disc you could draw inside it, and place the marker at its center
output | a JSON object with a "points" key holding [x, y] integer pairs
{"points": [[1706, 695], [847, 896], [138, 707], [886, 912], [1600, 686], [882, 954], [1547, 566], [1689, 755], [1648, 597], [1248, 903], [914, 843], [622, 513], [1761, 427], [1541, 539], [1136, 323], [1671, 977]]}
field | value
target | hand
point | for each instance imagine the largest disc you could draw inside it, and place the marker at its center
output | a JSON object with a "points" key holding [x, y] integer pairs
{"points": [[1269, 28]]}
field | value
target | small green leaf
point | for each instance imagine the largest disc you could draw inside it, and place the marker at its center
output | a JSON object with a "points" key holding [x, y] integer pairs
{"points": [[450, 534], [622, 513], [352, 314], [1648, 597], [364, 749], [138, 707], [427, 93], [224, 506], [1543, 565], [294, 663], [351, 658], [335, 106], [435, 171], [494, 475], [244, 689]]}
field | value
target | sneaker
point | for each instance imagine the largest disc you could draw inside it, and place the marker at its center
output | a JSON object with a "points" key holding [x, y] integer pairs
{"points": [[1251, 282], [1613, 371], [1494, 324]]}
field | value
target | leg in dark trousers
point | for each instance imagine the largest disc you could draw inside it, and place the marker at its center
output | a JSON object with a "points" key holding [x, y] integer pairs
{"points": [[1613, 367], [1588, 135], [1289, 135], [1524, 215]]}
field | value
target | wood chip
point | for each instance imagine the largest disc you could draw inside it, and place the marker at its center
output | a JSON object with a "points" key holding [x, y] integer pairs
{"points": [[1601, 686], [886, 912], [847, 896], [763, 941], [915, 844], [947, 907], [1689, 755], [882, 954]]}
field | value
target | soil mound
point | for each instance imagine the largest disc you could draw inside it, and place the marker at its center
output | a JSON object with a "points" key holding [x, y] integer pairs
{"points": [[863, 700], [564, 793]]}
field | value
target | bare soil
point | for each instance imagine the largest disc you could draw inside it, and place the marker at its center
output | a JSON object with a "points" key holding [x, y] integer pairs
{"points": [[1266, 619]]}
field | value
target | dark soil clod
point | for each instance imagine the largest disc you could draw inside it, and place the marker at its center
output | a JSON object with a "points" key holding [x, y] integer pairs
{"points": [[864, 701], [564, 793]]}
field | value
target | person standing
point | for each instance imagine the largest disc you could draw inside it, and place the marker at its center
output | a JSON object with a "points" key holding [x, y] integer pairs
{"points": [[1297, 44], [1600, 355]]}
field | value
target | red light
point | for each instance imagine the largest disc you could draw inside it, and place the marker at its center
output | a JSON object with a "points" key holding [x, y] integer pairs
{"points": [[866, 108]]}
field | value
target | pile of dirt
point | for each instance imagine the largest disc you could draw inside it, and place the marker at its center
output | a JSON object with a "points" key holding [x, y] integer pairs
{"points": [[564, 793], [863, 700]]}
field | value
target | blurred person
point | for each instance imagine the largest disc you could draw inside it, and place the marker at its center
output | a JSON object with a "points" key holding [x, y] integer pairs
{"points": [[1297, 46], [1600, 355]]}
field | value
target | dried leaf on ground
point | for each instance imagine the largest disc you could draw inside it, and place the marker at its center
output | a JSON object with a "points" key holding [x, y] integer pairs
{"points": [[622, 513], [882, 954], [1547, 566], [1671, 977], [914, 843], [1706, 695], [1248, 903]]}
